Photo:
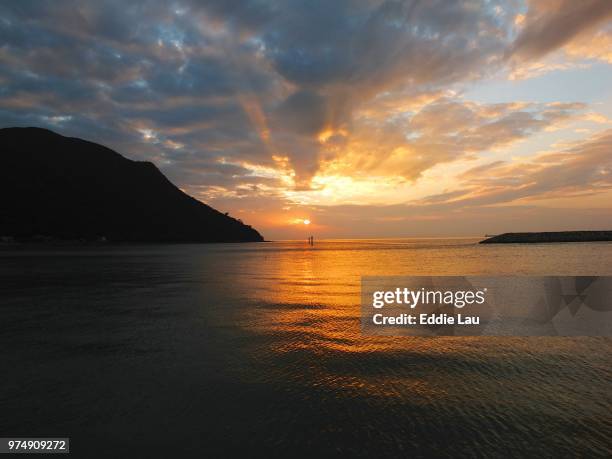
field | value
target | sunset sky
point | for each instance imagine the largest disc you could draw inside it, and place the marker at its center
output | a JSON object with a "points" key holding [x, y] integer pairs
{"points": [[369, 118]]}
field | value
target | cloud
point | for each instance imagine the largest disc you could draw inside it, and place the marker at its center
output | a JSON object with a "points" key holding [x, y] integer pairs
{"points": [[583, 169], [558, 35], [552, 24], [442, 131], [597, 46]]}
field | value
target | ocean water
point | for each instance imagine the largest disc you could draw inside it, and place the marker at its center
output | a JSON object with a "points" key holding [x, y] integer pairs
{"points": [[256, 350]]}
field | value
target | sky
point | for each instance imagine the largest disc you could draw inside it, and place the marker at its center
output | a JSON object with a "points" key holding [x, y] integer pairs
{"points": [[368, 118]]}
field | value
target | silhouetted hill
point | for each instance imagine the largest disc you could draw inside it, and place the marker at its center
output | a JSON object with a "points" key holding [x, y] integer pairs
{"points": [[560, 236], [68, 188]]}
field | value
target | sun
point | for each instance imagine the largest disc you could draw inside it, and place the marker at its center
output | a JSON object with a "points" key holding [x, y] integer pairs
{"points": [[306, 222]]}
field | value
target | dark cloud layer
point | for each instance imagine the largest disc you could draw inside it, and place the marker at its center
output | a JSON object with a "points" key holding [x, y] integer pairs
{"points": [[181, 69]]}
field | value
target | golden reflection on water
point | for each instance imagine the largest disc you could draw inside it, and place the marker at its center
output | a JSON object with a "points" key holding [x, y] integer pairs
{"points": [[308, 301]]}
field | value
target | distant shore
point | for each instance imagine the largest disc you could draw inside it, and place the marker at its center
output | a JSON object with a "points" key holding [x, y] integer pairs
{"points": [[560, 236]]}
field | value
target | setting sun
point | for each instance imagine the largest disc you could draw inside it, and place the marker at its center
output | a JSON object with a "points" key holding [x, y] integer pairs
{"points": [[306, 222]]}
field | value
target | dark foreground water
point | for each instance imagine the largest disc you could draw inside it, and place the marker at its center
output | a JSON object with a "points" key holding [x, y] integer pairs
{"points": [[256, 350]]}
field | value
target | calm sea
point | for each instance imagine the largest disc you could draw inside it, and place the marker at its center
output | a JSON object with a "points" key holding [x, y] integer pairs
{"points": [[256, 350]]}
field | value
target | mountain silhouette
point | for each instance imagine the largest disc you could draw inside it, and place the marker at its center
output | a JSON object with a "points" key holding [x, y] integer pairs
{"points": [[59, 187]]}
